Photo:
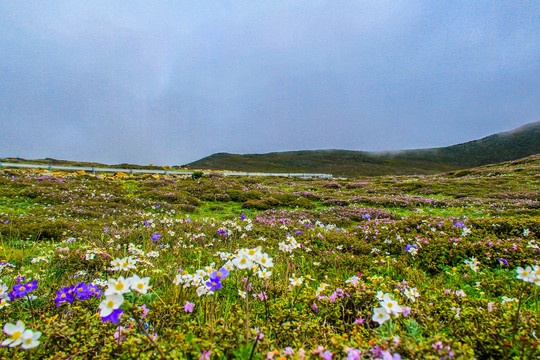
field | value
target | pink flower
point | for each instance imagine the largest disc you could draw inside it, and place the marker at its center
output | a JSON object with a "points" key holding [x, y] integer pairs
{"points": [[188, 307], [288, 350], [204, 355], [359, 321]]}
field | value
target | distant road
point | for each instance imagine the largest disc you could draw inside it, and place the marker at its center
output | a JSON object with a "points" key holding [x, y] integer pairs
{"points": [[163, 172]]}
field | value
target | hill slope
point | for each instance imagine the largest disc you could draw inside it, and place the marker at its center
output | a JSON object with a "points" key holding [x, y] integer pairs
{"points": [[505, 146]]}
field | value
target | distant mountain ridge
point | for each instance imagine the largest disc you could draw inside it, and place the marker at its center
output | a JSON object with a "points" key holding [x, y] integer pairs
{"points": [[505, 146]]}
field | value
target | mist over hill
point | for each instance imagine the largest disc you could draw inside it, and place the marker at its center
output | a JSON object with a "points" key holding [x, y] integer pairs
{"points": [[505, 146]]}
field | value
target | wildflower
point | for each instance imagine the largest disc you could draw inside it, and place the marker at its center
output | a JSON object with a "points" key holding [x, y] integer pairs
{"points": [[155, 237], [114, 316], [457, 310], [472, 263], [20, 290], [188, 306], [388, 356], [204, 355], [391, 306], [30, 339], [502, 261], [242, 293], [94, 290], [525, 274], [288, 351], [214, 283], [4, 302], [353, 354], [82, 291], [15, 333], [65, 294], [221, 273], [265, 261], [412, 294], [111, 303], [139, 285], [119, 286], [295, 281], [242, 260], [264, 274], [314, 307], [380, 315], [327, 355], [406, 311]]}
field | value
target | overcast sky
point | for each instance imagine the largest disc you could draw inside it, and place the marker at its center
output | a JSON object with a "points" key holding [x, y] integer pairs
{"points": [[169, 82]]}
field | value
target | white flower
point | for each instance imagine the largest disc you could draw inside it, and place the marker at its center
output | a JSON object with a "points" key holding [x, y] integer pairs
{"points": [[242, 260], [242, 293], [30, 339], [202, 290], [139, 285], [263, 274], [525, 274], [119, 286], [254, 254], [265, 261], [15, 333], [4, 302], [380, 295], [391, 306], [380, 315], [412, 294], [296, 281], [3, 290], [228, 266], [111, 303]]}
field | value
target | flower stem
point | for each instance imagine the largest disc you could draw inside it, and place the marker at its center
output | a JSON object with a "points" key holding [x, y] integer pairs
{"points": [[141, 325]]}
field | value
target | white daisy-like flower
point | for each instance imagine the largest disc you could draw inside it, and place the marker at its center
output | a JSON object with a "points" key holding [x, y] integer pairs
{"points": [[118, 286], [30, 339], [111, 303], [15, 333], [380, 315], [139, 285], [265, 261], [390, 305], [264, 274]]}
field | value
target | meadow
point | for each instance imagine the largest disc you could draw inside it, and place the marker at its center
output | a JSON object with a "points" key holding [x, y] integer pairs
{"points": [[114, 266]]}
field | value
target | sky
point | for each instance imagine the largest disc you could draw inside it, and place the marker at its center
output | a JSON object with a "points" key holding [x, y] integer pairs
{"points": [[170, 82]]}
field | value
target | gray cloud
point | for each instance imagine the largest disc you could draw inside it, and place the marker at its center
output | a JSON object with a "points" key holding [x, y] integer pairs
{"points": [[170, 82]]}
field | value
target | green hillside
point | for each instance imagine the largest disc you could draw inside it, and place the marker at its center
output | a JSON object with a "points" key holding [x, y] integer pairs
{"points": [[506, 146]]}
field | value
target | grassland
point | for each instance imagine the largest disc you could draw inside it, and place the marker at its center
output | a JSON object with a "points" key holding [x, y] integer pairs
{"points": [[438, 253]]}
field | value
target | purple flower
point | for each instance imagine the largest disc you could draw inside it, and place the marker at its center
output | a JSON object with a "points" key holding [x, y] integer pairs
{"points": [[94, 290], [114, 317], [459, 224], [156, 236], [214, 283], [82, 291], [315, 308], [65, 294], [221, 273], [243, 217], [145, 311], [327, 355], [20, 279], [503, 261], [20, 290]]}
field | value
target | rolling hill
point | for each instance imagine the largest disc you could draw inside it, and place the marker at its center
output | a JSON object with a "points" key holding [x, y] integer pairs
{"points": [[504, 146]]}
